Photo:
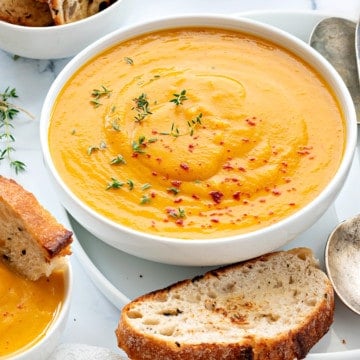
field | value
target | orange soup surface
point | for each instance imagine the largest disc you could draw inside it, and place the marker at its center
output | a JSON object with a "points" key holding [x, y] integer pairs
{"points": [[196, 133], [27, 309]]}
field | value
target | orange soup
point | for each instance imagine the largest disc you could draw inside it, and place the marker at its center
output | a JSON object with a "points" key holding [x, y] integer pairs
{"points": [[196, 133], [27, 308]]}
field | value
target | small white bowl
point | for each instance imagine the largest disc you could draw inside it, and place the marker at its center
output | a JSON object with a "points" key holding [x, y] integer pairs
{"points": [[43, 348], [195, 252], [61, 41]]}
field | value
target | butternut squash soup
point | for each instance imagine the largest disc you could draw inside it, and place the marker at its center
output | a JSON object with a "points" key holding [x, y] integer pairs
{"points": [[196, 133], [27, 309]]}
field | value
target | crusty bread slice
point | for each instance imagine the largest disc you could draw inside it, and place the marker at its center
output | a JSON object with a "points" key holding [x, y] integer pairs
{"points": [[31, 239], [26, 12], [274, 307], [68, 11]]}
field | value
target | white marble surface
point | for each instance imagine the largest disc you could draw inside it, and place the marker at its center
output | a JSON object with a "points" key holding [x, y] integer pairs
{"points": [[93, 318]]}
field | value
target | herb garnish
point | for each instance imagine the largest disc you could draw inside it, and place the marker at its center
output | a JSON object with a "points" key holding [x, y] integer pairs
{"points": [[97, 94], [91, 149], [139, 145], [145, 199], [179, 98], [142, 107], [128, 60], [119, 159], [7, 113], [175, 132], [114, 184], [179, 214]]}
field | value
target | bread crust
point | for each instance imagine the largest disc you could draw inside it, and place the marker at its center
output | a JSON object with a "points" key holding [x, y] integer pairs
{"points": [[293, 344], [31, 239], [26, 12], [51, 236]]}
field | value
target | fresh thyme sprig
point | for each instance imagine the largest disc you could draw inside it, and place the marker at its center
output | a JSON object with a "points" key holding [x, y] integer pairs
{"points": [[175, 132], [179, 98], [8, 112], [142, 107], [97, 94]]}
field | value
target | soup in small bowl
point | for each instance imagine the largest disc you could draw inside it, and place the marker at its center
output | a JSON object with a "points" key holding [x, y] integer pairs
{"points": [[33, 313], [198, 140]]}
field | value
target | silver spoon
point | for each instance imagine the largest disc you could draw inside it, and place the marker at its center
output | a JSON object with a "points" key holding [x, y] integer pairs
{"points": [[342, 261], [334, 38]]}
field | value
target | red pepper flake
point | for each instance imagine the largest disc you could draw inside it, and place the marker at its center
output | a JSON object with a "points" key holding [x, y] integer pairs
{"points": [[191, 147], [236, 196], [153, 194], [159, 160], [241, 169], [176, 183], [178, 200], [154, 132], [304, 150], [245, 140], [262, 200], [228, 166], [251, 122], [196, 197], [179, 222], [215, 220], [252, 159], [135, 155], [216, 196], [184, 166], [276, 192], [154, 173]]}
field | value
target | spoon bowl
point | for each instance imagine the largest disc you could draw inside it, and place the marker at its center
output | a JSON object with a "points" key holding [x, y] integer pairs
{"points": [[334, 38], [342, 261]]}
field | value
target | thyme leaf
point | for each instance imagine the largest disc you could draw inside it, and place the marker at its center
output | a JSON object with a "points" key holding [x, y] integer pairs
{"points": [[179, 98], [114, 184], [142, 107], [97, 94]]}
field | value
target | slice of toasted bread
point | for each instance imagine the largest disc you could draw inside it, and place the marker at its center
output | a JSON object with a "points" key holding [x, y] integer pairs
{"points": [[68, 11], [31, 239], [26, 12], [274, 307]]}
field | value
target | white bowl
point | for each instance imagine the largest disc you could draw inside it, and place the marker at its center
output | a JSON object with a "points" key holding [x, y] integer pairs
{"points": [[44, 348], [219, 250], [61, 41]]}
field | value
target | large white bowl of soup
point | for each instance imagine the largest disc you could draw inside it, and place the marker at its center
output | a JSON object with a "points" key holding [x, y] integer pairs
{"points": [[33, 313], [198, 140]]}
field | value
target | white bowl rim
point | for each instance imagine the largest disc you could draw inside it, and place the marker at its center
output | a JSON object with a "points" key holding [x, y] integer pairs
{"points": [[211, 21]]}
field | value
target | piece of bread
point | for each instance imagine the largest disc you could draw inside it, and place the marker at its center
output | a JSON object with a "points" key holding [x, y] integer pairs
{"points": [[68, 11], [273, 307], [31, 240], [26, 12]]}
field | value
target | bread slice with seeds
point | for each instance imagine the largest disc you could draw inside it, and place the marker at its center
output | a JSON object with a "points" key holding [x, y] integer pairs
{"points": [[31, 240], [274, 307]]}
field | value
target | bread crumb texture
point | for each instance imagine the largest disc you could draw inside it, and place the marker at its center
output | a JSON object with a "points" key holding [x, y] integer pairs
{"points": [[272, 307], [31, 239]]}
